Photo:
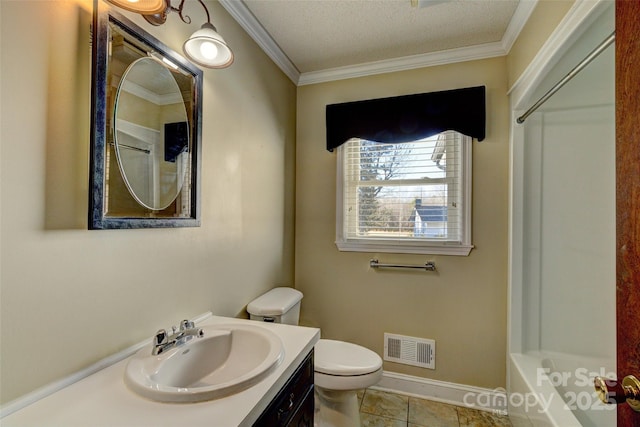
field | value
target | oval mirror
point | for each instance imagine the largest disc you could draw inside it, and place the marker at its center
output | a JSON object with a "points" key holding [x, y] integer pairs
{"points": [[151, 133]]}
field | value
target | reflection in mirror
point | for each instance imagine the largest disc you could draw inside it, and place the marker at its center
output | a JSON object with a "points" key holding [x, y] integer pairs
{"points": [[146, 129], [151, 133]]}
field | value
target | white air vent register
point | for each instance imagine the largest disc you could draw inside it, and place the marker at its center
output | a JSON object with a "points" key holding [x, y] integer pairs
{"points": [[410, 351]]}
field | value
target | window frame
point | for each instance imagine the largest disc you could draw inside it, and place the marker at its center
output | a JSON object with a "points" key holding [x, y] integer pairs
{"points": [[391, 245]]}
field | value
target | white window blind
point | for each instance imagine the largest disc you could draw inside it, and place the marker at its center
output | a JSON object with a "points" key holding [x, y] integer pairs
{"points": [[411, 197]]}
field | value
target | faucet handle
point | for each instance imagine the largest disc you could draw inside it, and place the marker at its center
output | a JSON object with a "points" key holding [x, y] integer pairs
{"points": [[186, 324], [160, 337]]}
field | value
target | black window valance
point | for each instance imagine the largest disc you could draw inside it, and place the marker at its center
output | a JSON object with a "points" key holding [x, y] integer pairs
{"points": [[408, 118]]}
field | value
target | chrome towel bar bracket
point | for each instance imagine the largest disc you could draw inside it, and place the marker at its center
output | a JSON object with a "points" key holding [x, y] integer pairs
{"points": [[428, 266]]}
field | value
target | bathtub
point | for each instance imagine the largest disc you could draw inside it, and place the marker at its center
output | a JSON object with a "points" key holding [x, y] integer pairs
{"points": [[556, 390]]}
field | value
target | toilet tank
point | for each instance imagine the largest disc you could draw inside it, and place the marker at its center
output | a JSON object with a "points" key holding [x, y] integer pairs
{"points": [[279, 305]]}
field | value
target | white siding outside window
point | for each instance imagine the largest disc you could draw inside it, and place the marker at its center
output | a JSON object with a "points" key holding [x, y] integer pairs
{"points": [[413, 197]]}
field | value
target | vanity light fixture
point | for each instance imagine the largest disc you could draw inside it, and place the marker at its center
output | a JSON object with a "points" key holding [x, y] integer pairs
{"points": [[205, 47], [144, 7]]}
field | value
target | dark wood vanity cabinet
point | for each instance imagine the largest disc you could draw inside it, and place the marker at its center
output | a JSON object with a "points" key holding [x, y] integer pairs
{"points": [[294, 404]]}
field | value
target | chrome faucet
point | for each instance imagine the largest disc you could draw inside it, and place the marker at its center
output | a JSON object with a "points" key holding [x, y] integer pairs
{"points": [[163, 342]]}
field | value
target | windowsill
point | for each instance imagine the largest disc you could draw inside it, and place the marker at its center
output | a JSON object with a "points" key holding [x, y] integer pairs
{"points": [[404, 248]]}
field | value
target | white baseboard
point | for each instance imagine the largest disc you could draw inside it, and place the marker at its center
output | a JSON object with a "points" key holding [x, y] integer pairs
{"points": [[483, 399]]}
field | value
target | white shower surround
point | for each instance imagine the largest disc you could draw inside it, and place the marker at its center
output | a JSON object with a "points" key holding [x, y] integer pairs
{"points": [[560, 274]]}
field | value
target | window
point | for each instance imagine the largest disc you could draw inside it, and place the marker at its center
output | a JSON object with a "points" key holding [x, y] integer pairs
{"points": [[412, 197]]}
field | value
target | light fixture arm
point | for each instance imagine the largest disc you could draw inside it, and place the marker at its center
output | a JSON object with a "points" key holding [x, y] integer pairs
{"points": [[185, 18], [206, 10]]}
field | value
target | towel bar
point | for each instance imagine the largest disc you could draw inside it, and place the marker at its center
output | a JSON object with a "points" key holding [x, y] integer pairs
{"points": [[428, 266]]}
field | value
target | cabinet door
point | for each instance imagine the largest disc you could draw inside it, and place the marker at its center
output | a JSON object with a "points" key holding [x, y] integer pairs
{"points": [[291, 399], [304, 416]]}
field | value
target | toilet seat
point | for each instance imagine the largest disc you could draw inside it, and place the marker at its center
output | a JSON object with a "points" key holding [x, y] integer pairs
{"points": [[341, 365], [341, 358]]}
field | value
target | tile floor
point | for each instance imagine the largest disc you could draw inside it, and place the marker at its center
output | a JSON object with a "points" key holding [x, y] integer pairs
{"points": [[383, 409]]}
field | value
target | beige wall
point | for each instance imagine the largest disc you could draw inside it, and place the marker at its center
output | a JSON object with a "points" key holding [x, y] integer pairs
{"points": [[545, 18], [463, 305], [70, 296]]}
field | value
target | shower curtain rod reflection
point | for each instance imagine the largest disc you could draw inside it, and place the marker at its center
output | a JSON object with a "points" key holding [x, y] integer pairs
{"points": [[131, 147], [597, 51]]}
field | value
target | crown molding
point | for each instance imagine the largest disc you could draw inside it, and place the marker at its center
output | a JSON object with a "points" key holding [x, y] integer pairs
{"points": [[154, 98], [517, 23], [238, 10], [256, 31], [450, 56]]}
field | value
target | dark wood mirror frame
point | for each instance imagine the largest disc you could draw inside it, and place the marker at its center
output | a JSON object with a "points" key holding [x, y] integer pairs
{"points": [[99, 218]]}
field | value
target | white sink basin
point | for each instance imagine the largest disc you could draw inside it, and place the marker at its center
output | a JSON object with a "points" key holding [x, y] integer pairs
{"points": [[229, 358]]}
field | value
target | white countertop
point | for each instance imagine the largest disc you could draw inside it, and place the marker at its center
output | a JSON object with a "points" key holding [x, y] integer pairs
{"points": [[103, 399]]}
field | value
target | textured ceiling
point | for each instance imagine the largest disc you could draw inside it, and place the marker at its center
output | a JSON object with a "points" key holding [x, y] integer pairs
{"points": [[324, 34]]}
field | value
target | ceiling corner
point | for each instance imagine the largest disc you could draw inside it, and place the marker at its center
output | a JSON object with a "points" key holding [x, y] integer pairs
{"points": [[244, 17], [517, 23]]}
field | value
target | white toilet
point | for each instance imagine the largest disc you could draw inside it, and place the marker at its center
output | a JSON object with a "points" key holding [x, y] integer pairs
{"points": [[341, 368]]}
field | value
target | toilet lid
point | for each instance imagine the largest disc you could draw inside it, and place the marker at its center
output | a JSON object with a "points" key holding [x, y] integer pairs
{"points": [[343, 358]]}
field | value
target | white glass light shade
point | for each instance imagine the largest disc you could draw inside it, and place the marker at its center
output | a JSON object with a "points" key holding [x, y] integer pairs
{"points": [[207, 48], [144, 7]]}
